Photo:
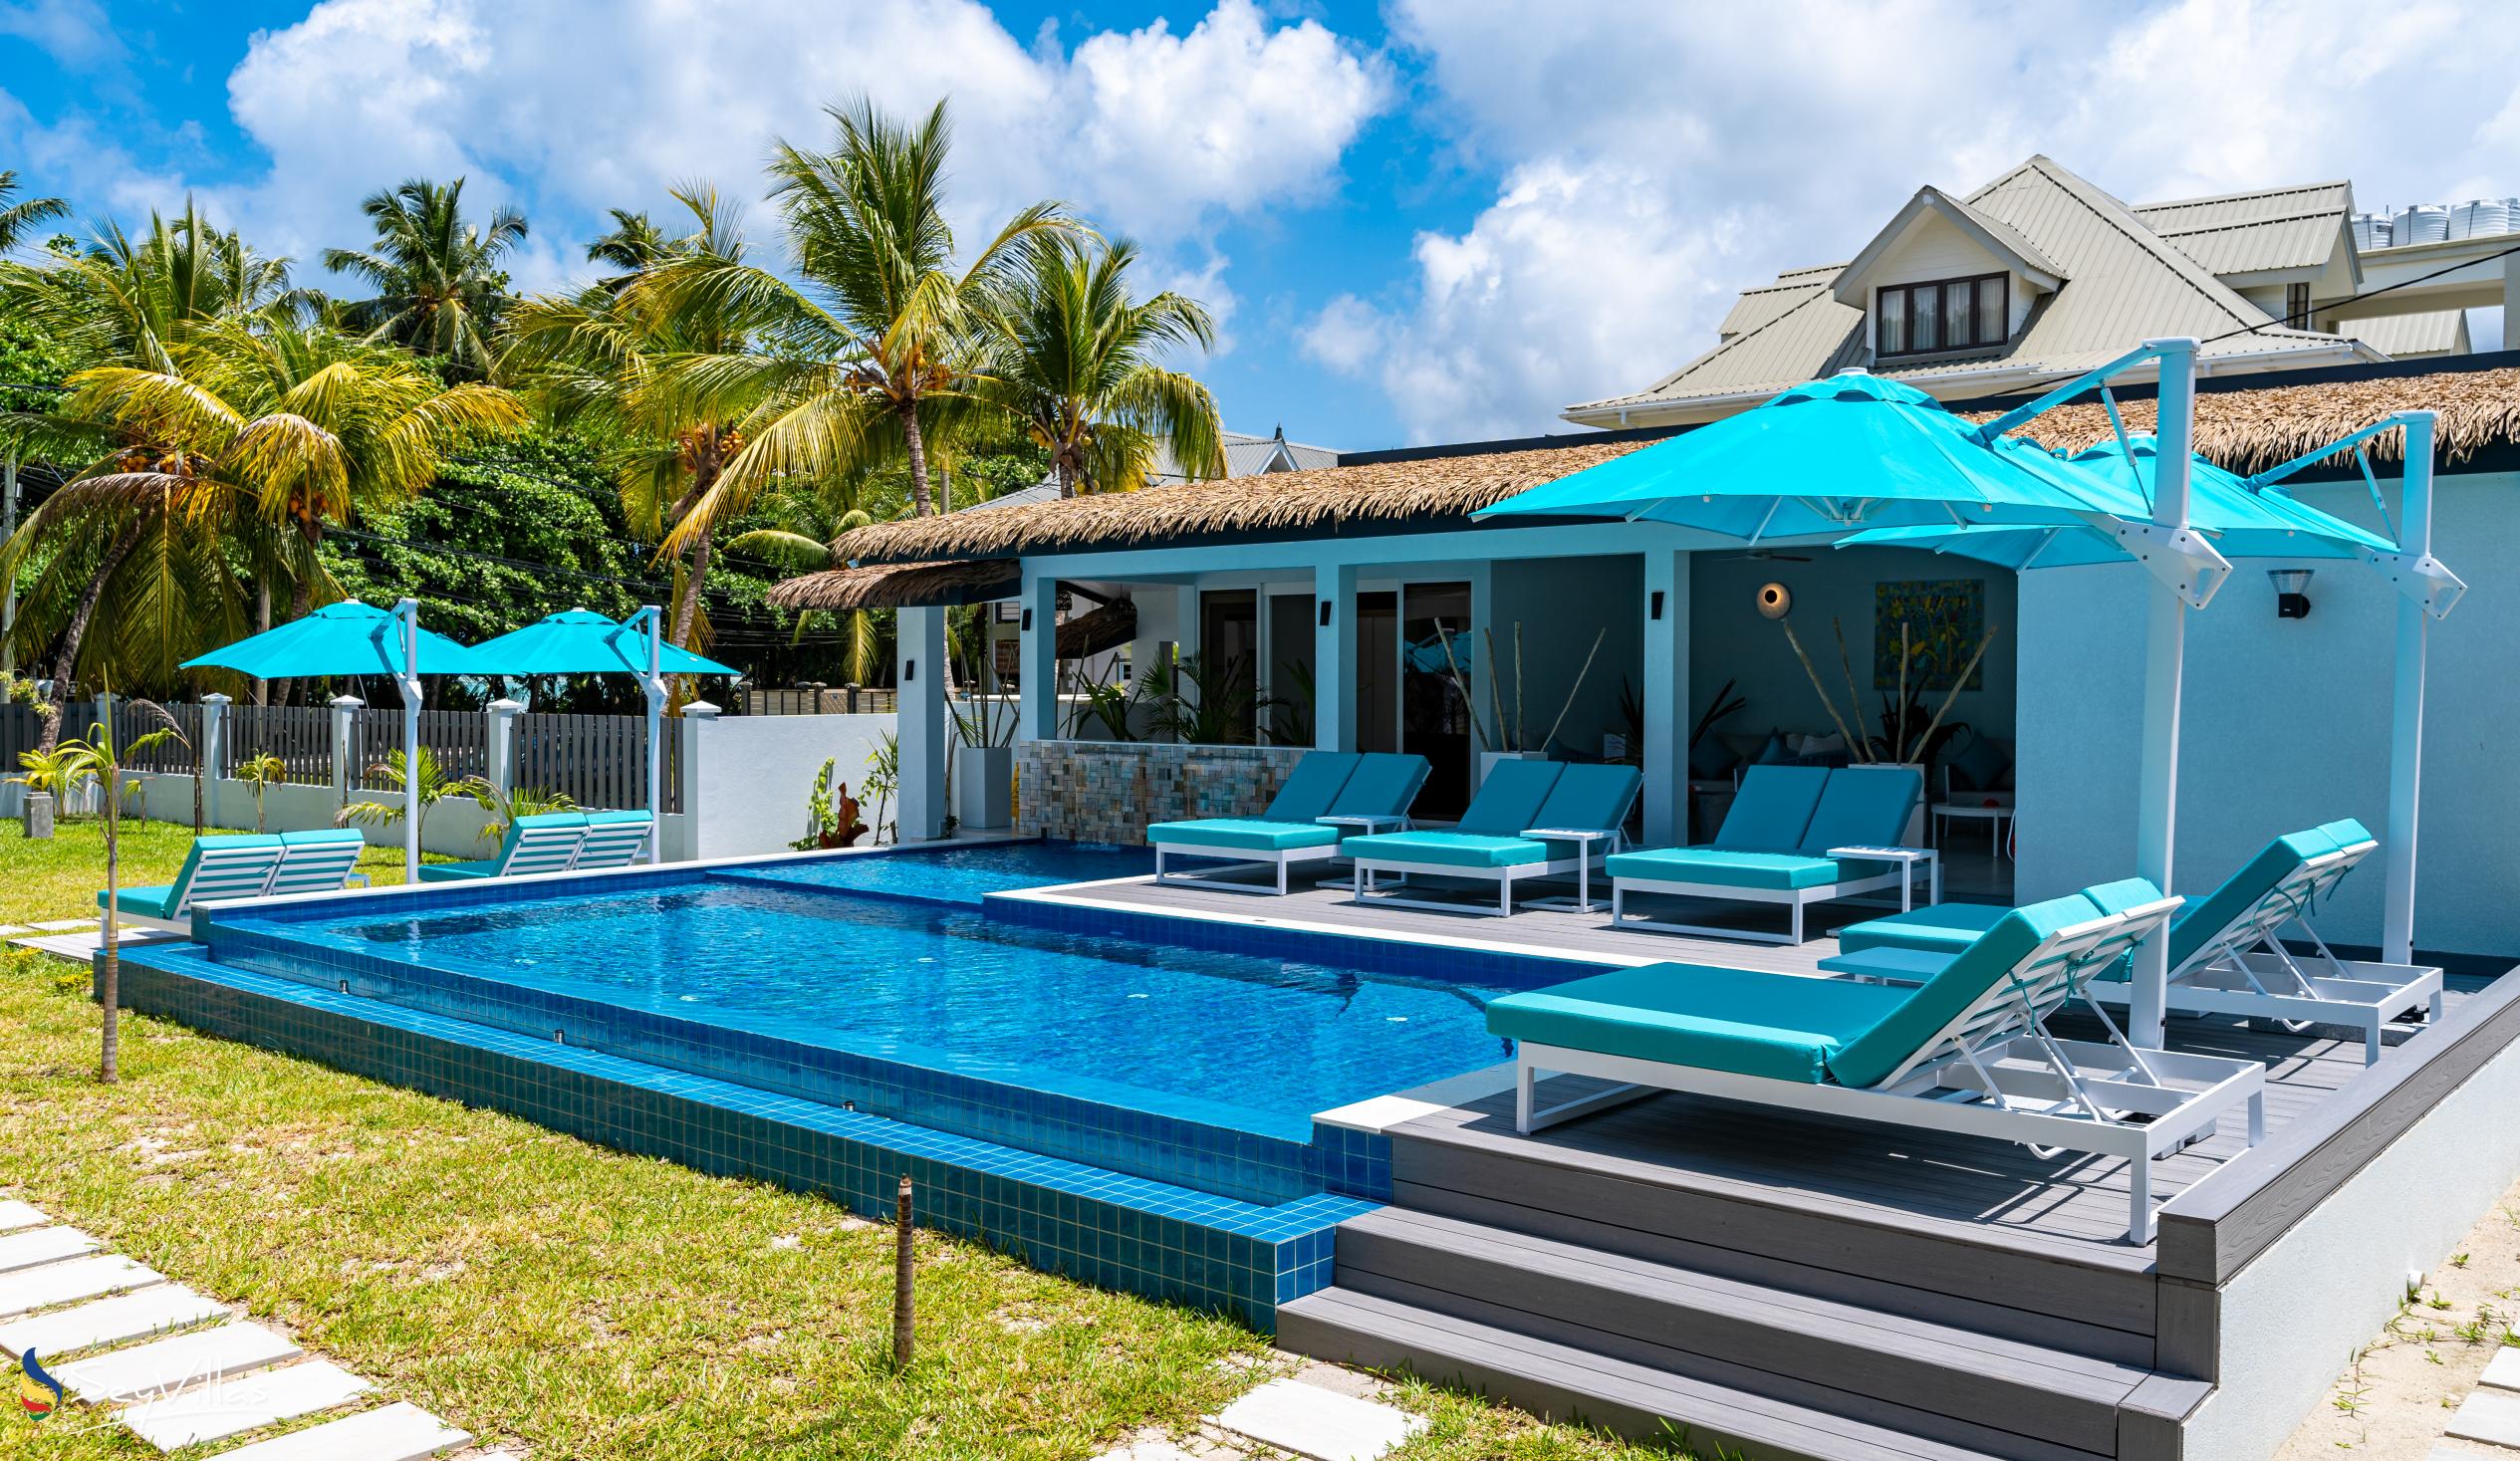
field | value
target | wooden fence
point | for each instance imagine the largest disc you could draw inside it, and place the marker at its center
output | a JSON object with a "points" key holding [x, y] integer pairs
{"points": [[595, 760], [300, 735], [827, 701]]}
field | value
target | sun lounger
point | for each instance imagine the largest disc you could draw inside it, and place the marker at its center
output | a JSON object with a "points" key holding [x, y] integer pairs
{"points": [[1529, 818], [318, 860], [613, 839], [2227, 955], [1775, 846], [1329, 793], [214, 868], [544, 842], [1965, 1051]]}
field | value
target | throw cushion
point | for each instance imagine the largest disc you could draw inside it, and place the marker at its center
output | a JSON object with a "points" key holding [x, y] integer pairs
{"points": [[1976, 764]]}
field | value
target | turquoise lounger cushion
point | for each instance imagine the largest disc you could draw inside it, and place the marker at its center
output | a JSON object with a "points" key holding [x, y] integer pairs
{"points": [[1242, 835], [1945, 928], [220, 867], [1862, 807], [1774, 1026], [2348, 832], [2203, 918], [457, 871], [1384, 785], [156, 901], [1722, 868], [1588, 798], [1312, 786], [1870, 1058], [1510, 799], [1773, 809], [1447, 849]]}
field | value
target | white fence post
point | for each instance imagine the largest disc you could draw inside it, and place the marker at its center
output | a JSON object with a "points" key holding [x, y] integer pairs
{"points": [[345, 710], [213, 748], [501, 754], [700, 723]]}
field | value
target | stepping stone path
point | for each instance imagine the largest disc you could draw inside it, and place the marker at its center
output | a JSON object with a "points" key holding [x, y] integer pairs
{"points": [[2490, 1415], [1321, 1413], [150, 1347]]}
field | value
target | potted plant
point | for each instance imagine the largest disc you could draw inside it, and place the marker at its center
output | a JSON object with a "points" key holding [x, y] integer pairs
{"points": [[1513, 740], [984, 763], [831, 814]]}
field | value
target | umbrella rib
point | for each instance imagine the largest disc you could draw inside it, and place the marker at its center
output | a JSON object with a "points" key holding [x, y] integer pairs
{"points": [[2125, 448]]}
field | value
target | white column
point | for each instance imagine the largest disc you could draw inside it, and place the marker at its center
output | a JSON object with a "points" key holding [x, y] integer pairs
{"points": [[502, 752], [2406, 727], [1666, 751], [699, 730], [2165, 650], [1333, 656], [345, 710], [1037, 660], [920, 665], [215, 733]]}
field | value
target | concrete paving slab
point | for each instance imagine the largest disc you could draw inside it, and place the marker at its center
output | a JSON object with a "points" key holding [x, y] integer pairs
{"points": [[2491, 1416], [67, 1282], [2502, 1372], [395, 1433], [233, 1406], [163, 1367], [1322, 1424], [15, 1215], [109, 1320], [34, 1247]]}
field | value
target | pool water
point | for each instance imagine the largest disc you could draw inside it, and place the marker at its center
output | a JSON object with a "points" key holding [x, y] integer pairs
{"points": [[960, 874], [1246, 1041]]}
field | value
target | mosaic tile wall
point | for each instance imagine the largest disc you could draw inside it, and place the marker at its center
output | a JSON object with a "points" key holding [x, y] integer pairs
{"points": [[1101, 792]]}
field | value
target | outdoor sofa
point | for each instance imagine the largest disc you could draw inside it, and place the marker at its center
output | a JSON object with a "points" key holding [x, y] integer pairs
{"points": [[1965, 1051], [1329, 793], [2227, 955], [1529, 818], [1789, 838]]}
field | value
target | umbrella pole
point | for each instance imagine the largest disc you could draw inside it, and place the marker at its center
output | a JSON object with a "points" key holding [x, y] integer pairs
{"points": [[408, 611], [2156, 796], [2406, 735], [656, 687]]}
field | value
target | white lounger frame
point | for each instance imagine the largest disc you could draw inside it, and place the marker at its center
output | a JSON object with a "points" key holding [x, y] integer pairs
{"points": [[1281, 859], [1796, 900], [2245, 969], [1993, 1071], [1595, 853]]}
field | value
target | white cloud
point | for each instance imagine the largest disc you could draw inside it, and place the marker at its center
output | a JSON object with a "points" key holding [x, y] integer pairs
{"points": [[1651, 163], [75, 32], [1346, 335]]}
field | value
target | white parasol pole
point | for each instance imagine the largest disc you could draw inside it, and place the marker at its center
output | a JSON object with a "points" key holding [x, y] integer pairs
{"points": [[407, 611], [2156, 794], [2405, 733], [656, 687]]}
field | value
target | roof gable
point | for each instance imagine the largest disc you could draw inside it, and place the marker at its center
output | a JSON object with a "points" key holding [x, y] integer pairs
{"points": [[2003, 243], [2287, 228]]}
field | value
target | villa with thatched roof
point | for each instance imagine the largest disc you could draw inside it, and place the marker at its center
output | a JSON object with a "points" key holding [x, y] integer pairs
{"points": [[1362, 606]]}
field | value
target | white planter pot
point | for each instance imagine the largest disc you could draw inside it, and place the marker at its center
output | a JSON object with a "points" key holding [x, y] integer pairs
{"points": [[39, 815], [984, 786], [1488, 760]]}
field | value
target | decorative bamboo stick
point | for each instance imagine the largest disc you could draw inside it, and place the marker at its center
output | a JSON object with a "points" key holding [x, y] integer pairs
{"points": [[1954, 693], [1899, 743], [1575, 688], [1862, 751], [1522, 725], [1825, 702], [1496, 692], [1460, 685]]}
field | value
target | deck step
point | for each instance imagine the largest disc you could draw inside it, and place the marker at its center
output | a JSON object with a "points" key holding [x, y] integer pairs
{"points": [[219, 1411], [400, 1432], [1563, 1382], [1846, 1358], [109, 1320]]}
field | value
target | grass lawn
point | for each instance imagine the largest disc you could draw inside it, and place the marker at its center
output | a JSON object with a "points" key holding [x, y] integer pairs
{"points": [[545, 1292]]}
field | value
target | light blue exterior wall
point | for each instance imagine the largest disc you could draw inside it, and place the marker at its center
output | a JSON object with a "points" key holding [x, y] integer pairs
{"points": [[2287, 725], [1563, 604]]}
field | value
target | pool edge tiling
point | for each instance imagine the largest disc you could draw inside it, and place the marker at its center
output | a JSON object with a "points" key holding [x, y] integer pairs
{"points": [[1151, 1238]]}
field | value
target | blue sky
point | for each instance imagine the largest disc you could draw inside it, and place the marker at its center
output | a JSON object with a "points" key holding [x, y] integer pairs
{"points": [[1425, 221]]}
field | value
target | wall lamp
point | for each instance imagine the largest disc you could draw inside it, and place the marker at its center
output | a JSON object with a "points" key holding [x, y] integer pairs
{"points": [[2292, 598]]}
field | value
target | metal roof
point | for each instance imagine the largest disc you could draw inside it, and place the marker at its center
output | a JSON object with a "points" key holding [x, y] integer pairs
{"points": [[2433, 332], [2123, 283], [2244, 233]]}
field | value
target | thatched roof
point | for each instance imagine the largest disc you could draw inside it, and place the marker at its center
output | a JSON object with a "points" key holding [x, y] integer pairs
{"points": [[1325, 500], [2249, 431], [908, 585], [2244, 430]]}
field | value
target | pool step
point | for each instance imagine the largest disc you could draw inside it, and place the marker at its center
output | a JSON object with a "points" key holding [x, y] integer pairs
{"points": [[1568, 1384], [1957, 1385]]}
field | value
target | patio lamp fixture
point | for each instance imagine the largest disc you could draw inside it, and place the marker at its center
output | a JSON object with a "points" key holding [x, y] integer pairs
{"points": [[2292, 598]]}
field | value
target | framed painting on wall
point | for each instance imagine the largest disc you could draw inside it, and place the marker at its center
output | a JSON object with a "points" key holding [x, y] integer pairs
{"points": [[1945, 619]]}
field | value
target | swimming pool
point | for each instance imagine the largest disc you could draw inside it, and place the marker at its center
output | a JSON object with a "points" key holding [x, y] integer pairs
{"points": [[956, 874]]}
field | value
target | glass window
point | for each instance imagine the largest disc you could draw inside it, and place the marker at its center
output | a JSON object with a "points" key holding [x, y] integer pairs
{"points": [[1893, 329], [1991, 311], [1959, 314], [1927, 306], [1947, 314]]}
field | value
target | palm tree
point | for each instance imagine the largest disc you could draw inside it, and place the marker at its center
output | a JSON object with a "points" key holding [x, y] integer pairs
{"points": [[805, 523], [1075, 359], [880, 345], [17, 218], [98, 758], [255, 436], [439, 288], [598, 359], [636, 245]]}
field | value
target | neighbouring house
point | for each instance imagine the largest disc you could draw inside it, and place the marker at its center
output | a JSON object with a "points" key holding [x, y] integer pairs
{"points": [[2040, 274]]}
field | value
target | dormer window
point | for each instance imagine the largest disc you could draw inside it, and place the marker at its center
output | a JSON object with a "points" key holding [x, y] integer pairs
{"points": [[1944, 315]]}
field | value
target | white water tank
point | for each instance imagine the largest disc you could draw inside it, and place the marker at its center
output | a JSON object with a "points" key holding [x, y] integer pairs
{"points": [[2480, 218], [2370, 231], [2420, 224]]}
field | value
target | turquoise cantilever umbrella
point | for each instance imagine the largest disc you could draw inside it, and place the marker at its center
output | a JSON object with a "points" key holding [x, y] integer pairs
{"points": [[2240, 521], [581, 642], [1850, 451], [347, 639]]}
